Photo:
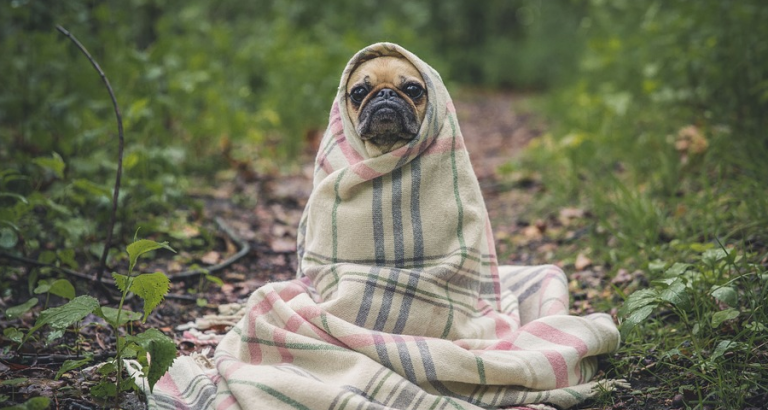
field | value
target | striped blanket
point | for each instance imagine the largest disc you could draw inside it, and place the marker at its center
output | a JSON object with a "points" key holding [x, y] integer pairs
{"points": [[399, 302]]}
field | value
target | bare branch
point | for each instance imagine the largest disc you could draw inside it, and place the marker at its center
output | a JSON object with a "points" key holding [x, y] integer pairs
{"points": [[116, 191]]}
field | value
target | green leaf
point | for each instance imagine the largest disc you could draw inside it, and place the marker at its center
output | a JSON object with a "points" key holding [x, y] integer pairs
{"points": [[63, 288], [110, 315], [635, 318], [8, 238], [162, 351], [152, 288], [35, 403], [711, 256], [43, 286], [726, 294], [64, 316], [723, 315], [53, 336], [723, 347], [72, 365], [141, 247], [54, 164], [91, 188], [16, 311], [638, 300], [677, 269], [104, 389], [657, 266], [214, 279], [121, 281], [756, 327], [13, 382], [676, 294], [15, 335], [16, 196], [67, 256]]}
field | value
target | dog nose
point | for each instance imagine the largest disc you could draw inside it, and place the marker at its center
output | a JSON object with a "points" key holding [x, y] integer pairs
{"points": [[387, 94]]}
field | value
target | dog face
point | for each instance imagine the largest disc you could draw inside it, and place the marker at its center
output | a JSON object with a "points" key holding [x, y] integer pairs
{"points": [[386, 100]]}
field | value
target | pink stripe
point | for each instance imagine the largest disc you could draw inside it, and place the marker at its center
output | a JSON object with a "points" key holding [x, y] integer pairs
{"points": [[279, 336], [442, 145], [553, 335], [554, 308], [559, 368], [365, 172], [168, 386], [312, 312], [556, 336], [228, 402]]}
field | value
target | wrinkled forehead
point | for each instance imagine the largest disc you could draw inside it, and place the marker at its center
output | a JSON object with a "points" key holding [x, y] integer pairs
{"points": [[377, 51], [396, 70]]}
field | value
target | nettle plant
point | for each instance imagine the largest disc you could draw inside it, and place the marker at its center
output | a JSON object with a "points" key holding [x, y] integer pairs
{"points": [[151, 349], [714, 315]]}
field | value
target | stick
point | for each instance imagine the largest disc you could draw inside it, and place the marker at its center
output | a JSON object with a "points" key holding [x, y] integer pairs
{"points": [[116, 191], [70, 272], [244, 249]]}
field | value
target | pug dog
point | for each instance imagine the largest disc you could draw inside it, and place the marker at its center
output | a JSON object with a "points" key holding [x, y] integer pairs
{"points": [[386, 101]]}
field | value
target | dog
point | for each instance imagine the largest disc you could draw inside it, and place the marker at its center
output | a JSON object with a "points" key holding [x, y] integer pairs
{"points": [[386, 101]]}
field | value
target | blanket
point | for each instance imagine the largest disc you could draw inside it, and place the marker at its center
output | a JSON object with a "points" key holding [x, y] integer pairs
{"points": [[399, 301]]}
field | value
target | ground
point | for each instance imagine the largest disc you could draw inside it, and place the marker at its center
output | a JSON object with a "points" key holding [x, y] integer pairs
{"points": [[263, 210]]}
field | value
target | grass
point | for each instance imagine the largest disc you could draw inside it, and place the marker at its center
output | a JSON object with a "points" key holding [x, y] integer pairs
{"points": [[688, 223]]}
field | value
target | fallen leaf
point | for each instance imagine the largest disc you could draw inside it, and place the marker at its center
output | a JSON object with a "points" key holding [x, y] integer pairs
{"points": [[532, 232], [582, 262], [622, 276], [283, 245], [211, 258]]}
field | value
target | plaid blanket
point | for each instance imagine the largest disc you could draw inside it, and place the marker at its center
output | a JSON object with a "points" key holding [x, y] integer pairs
{"points": [[399, 302]]}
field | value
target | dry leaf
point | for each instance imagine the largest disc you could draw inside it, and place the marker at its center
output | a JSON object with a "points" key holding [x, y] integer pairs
{"points": [[211, 258], [283, 245], [582, 262]]}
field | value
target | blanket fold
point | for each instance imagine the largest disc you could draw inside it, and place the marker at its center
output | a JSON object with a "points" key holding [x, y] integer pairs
{"points": [[399, 301]]}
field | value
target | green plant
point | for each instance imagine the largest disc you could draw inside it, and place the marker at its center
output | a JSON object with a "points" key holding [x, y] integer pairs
{"points": [[151, 288], [715, 308]]}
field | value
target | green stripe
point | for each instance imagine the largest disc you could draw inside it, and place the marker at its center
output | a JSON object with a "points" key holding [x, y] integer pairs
{"points": [[296, 346], [274, 393], [460, 225], [324, 321], [381, 383], [575, 394], [365, 277], [455, 405], [334, 226], [480, 369], [346, 401]]}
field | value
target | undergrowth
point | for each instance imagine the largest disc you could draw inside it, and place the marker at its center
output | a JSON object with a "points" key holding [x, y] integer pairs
{"points": [[660, 141]]}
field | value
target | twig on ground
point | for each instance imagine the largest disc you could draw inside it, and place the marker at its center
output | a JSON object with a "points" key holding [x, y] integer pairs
{"points": [[244, 249], [34, 359], [116, 191], [70, 272]]}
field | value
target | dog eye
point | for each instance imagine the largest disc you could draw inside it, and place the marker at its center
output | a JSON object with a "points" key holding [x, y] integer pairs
{"points": [[357, 94], [414, 91]]}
